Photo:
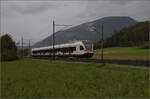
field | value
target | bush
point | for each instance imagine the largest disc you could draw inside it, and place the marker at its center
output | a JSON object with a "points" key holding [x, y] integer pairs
{"points": [[144, 46]]}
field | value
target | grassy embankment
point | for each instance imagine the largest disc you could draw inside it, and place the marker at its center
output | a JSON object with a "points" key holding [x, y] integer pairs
{"points": [[58, 79], [123, 53]]}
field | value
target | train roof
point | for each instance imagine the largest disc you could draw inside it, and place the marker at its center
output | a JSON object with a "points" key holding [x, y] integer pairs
{"points": [[70, 44]]}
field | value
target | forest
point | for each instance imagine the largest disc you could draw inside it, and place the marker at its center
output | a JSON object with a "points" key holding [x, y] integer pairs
{"points": [[136, 35]]}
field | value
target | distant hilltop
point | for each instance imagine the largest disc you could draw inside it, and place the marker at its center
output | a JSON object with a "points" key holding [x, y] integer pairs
{"points": [[88, 31]]}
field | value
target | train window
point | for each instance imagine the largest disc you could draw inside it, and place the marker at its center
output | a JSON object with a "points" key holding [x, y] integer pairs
{"points": [[55, 51], [87, 44], [61, 50], [66, 50], [72, 49], [81, 48], [58, 50], [51, 50]]}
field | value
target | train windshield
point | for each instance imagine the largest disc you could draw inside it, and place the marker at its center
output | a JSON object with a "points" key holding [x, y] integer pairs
{"points": [[87, 44]]}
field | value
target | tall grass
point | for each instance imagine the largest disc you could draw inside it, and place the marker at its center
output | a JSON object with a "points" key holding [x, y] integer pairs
{"points": [[58, 79]]}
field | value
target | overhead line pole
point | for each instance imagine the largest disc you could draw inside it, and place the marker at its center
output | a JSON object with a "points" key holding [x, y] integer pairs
{"points": [[54, 36], [22, 47], [102, 42], [53, 39], [29, 44], [29, 48]]}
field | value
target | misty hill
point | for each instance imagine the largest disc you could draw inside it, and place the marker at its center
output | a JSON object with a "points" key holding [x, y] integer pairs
{"points": [[89, 31]]}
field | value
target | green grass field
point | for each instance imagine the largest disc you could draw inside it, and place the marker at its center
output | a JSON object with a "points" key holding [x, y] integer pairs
{"points": [[58, 79], [121, 53]]}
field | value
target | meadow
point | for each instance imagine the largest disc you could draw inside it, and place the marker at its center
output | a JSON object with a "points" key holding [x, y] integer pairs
{"points": [[58, 79], [123, 53]]}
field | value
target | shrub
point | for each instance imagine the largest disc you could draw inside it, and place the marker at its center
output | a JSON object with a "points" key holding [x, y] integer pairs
{"points": [[144, 46]]}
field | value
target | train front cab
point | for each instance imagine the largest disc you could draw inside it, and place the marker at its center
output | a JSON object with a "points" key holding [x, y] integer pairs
{"points": [[86, 48]]}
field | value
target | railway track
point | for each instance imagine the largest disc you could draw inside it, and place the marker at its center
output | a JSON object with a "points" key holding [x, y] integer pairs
{"points": [[144, 63]]}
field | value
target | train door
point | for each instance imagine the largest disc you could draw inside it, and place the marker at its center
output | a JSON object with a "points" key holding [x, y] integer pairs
{"points": [[78, 49]]}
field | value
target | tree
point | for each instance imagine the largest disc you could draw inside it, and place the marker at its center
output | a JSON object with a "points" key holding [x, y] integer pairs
{"points": [[26, 52], [8, 48]]}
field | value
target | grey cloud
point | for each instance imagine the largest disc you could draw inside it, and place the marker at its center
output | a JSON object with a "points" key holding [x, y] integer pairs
{"points": [[31, 7], [121, 2], [117, 2], [28, 10]]}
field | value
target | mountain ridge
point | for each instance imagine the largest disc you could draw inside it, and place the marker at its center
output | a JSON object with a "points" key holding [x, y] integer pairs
{"points": [[86, 31]]}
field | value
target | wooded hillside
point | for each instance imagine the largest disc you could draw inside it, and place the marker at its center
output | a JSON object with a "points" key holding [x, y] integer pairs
{"points": [[136, 35]]}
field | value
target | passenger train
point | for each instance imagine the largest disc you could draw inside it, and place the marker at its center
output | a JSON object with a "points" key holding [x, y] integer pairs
{"points": [[81, 49]]}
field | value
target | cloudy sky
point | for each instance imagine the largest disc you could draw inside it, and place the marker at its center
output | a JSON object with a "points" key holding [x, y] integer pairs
{"points": [[33, 19]]}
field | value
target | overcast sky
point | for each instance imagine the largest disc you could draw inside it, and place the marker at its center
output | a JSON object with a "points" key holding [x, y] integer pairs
{"points": [[33, 19]]}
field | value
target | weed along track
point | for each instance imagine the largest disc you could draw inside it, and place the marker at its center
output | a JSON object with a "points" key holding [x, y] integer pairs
{"points": [[144, 63]]}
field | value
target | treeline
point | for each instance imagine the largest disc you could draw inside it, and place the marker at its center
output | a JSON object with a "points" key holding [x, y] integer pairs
{"points": [[9, 50], [136, 35]]}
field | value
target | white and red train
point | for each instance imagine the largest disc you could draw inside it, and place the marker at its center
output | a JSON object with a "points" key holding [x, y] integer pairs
{"points": [[73, 49]]}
